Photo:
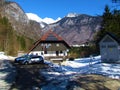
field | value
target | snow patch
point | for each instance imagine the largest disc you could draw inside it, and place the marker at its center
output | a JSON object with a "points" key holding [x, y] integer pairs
{"points": [[91, 65], [72, 15], [47, 20], [7, 72]]}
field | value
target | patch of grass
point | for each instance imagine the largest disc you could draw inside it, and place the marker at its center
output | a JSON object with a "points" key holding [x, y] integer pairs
{"points": [[97, 82]]}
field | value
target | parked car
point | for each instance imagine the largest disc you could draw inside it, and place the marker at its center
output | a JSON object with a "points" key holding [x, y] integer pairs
{"points": [[29, 59]]}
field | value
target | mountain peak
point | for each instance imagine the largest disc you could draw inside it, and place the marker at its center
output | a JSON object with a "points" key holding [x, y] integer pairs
{"points": [[46, 20], [76, 29], [72, 15]]}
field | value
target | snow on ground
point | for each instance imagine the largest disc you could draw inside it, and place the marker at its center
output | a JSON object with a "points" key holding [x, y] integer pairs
{"points": [[7, 72], [59, 75], [62, 74], [90, 65]]}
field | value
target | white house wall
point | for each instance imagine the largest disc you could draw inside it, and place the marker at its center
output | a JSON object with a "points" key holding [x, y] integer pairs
{"points": [[49, 53]]}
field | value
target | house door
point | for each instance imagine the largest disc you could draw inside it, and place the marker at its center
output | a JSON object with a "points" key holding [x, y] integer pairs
{"points": [[105, 54], [113, 54], [57, 53]]}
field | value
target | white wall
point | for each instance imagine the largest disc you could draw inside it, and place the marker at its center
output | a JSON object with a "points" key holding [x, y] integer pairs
{"points": [[49, 53]]}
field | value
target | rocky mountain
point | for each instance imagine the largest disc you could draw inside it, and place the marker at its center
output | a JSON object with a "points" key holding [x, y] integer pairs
{"points": [[20, 21], [76, 28], [17, 32]]}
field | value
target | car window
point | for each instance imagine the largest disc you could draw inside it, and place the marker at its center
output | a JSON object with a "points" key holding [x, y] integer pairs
{"points": [[41, 58]]}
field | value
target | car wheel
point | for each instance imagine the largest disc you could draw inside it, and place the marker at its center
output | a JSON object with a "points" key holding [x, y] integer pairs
{"points": [[15, 61], [42, 61], [26, 63]]}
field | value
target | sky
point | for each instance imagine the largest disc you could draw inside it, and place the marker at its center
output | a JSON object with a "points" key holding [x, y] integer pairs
{"points": [[60, 8]]}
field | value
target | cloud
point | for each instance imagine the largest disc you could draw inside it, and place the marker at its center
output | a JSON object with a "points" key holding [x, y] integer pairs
{"points": [[47, 20]]}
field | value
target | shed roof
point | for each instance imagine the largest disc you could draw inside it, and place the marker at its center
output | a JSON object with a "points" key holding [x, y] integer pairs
{"points": [[111, 35]]}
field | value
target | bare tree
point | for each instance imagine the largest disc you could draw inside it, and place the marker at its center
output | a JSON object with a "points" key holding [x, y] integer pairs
{"points": [[2, 2]]}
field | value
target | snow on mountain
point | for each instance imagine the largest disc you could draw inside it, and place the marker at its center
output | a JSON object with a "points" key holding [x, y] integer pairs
{"points": [[72, 15], [50, 20], [47, 20], [34, 17]]}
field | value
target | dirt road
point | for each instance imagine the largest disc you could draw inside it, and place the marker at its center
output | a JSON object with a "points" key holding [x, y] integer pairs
{"points": [[28, 77]]}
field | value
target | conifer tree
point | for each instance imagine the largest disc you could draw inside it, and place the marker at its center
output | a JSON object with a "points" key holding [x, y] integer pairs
{"points": [[107, 16], [116, 1], [110, 23]]}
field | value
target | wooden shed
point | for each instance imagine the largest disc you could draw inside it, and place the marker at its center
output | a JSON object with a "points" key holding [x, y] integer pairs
{"points": [[50, 45], [110, 48]]}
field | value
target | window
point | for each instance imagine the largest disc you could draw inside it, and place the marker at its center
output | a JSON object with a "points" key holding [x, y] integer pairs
{"points": [[61, 52], [45, 51], [57, 45], [112, 46], [103, 46]]}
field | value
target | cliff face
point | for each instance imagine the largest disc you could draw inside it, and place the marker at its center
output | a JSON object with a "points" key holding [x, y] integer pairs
{"points": [[20, 21], [77, 29], [17, 32]]}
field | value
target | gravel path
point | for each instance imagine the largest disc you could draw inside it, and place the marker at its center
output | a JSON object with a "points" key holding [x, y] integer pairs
{"points": [[28, 77], [7, 74]]}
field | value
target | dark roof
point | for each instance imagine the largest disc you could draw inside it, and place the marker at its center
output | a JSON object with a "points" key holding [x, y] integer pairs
{"points": [[51, 36], [111, 35], [114, 37]]}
